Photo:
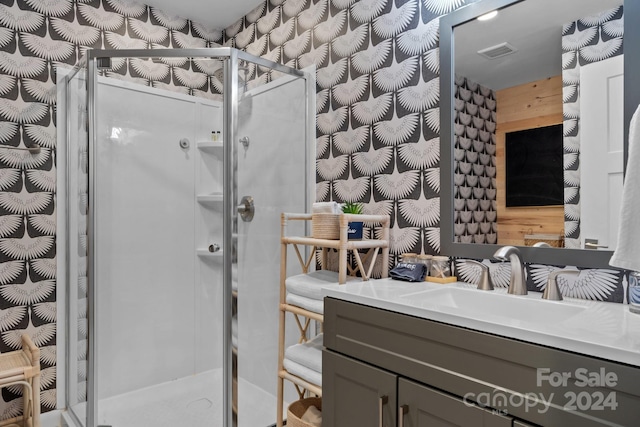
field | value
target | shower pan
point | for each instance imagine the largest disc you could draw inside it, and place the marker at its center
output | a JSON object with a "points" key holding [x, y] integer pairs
{"points": [[170, 235]]}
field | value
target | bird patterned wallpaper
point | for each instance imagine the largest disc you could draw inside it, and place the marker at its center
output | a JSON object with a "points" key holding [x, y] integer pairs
{"points": [[474, 179], [378, 89], [377, 123], [377, 120]]}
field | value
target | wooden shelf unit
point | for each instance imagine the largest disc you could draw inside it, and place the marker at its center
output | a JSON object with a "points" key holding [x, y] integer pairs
{"points": [[303, 317]]}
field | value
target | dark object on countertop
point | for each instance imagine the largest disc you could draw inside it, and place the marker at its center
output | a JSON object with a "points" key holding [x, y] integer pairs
{"points": [[409, 272]]}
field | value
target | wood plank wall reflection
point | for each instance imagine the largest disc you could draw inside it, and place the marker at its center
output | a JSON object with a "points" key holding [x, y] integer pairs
{"points": [[526, 106]]}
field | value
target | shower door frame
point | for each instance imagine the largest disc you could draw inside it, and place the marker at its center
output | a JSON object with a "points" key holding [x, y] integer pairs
{"points": [[231, 58]]}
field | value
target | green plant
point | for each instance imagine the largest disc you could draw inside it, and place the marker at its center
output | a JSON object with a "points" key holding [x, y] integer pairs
{"points": [[352, 208]]}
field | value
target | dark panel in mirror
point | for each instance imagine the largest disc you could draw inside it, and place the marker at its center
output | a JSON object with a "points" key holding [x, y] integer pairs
{"points": [[534, 175]]}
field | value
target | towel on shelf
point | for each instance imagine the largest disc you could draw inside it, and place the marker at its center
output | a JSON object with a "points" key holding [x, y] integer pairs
{"points": [[627, 253], [316, 306], [326, 207], [310, 285], [308, 354], [303, 372]]}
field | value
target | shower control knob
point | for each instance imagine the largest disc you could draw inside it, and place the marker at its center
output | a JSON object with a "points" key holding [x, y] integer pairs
{"points": [[246, 209], [184, 143]]}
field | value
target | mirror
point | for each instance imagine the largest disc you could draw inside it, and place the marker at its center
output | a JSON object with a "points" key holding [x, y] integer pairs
{"points": [[486, 103]]}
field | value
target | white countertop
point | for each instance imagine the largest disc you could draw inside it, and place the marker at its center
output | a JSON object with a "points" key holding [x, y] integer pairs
{"points": [[605, 330]]}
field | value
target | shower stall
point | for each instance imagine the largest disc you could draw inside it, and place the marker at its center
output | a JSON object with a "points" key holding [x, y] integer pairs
{"points": [[169, 241]]}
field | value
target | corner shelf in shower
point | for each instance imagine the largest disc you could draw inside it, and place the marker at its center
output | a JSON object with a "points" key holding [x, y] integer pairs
{"points": [[209, 146], [209, 199], [204, 253]]}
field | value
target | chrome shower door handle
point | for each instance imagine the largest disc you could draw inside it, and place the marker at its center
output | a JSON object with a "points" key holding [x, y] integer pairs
{"points": [[246, 209]]}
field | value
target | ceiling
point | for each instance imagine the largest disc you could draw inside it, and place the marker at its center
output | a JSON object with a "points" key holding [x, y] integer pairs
{"points": [[218, 14], [534, 27]]}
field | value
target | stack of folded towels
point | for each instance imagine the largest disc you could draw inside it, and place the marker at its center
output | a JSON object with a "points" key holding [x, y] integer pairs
{"points": [[305, 290], [305, 360]]}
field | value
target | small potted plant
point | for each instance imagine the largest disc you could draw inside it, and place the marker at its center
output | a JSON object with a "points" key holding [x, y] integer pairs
{"points": [[354, 232]]}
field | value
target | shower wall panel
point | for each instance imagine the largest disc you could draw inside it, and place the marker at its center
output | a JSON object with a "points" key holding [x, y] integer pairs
{"points": [[149, 303]]}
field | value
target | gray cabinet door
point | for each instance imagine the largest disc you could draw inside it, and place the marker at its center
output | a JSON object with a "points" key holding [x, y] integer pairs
{"points": [[427, 407], [356, 394]]}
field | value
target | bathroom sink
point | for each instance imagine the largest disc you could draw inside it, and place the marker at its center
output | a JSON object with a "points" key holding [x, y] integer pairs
{"points": [[495, 306]]}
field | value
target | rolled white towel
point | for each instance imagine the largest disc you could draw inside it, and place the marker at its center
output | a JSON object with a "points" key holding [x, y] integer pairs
{"points": [[326, 207]]}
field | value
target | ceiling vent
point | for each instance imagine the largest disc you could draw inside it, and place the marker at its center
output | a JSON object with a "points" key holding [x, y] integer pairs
{"points": [[497, 51]]}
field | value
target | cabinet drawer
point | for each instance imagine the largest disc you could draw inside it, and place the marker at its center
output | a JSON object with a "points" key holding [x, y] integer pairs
{"points": [[500, 372]]}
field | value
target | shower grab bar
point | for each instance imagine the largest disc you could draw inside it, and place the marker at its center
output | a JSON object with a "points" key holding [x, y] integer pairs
{"points": [[35, 149]]}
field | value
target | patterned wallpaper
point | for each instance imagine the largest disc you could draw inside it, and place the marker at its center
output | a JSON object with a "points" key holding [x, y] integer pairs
{"points": [[588, 40], [592, 284], [475, 208], [378, 92], [377, 119]]}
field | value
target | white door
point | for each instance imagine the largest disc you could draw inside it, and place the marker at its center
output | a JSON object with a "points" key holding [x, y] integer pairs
{"points": [[601, 149]]}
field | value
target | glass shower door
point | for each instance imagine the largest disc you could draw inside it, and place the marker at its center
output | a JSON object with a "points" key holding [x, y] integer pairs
{"points": [[272, 170], [158, 291]]}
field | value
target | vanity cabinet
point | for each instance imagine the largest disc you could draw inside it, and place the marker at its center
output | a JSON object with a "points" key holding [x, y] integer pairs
{"points": [[368, 396], [382, 368]]}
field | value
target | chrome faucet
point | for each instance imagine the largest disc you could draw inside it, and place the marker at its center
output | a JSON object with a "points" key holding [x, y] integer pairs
{"points": [[517, 284], [484, 282], [552, 290]]}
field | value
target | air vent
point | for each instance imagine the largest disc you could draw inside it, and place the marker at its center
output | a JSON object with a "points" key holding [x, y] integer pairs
{"points": [[497, 51]]}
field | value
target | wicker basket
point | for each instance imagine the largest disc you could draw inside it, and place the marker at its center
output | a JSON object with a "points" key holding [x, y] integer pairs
{"points": [[297, 409], [325, 226], [553, 240]]}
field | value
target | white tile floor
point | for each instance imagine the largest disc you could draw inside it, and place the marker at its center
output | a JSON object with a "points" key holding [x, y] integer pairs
{"points": [[194, 401]]}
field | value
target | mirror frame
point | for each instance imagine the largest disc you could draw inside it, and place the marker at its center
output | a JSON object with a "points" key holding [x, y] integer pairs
{"points": [[552, 256]]}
